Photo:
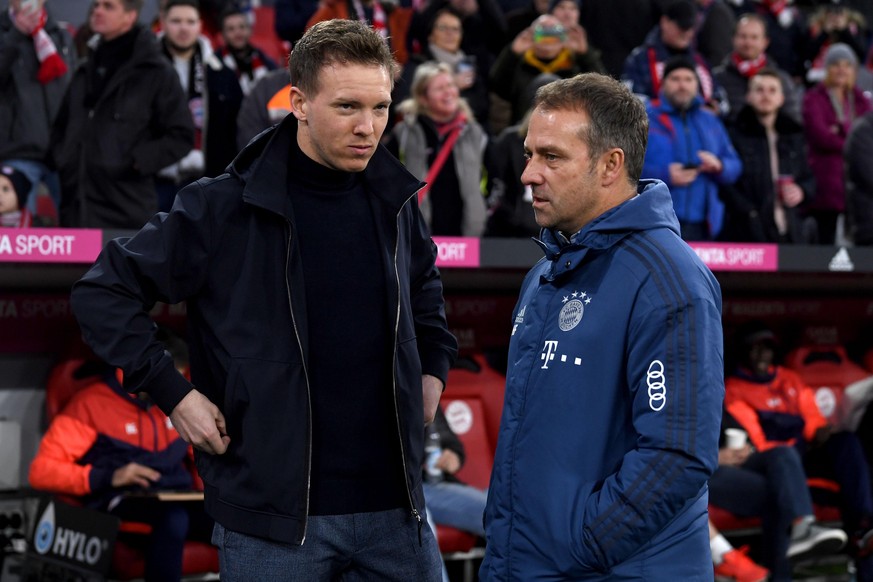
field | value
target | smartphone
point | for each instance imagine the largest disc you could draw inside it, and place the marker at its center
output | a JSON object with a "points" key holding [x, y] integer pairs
{"points": [[690, 166]]}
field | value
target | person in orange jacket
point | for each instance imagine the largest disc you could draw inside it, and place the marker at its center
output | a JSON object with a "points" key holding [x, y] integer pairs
{"points": [[106, 444], [776, 408]]}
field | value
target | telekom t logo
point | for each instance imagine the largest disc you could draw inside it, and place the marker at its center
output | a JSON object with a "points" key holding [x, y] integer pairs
{"points": [[548, 353]]}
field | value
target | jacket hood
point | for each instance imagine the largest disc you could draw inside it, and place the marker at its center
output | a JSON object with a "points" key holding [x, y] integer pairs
{"points": [[650, 209], [263, 165]]}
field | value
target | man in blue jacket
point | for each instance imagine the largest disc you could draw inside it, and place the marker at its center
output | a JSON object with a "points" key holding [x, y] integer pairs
{"points": [[610, 425], [318, 338], [690, 150]]}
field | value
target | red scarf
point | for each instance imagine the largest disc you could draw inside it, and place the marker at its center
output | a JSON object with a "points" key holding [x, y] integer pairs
{"points": [[775, 6], [750, 68], [51, 65]]}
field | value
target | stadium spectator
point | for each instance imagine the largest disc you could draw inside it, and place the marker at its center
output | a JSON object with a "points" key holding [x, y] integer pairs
{"points": [[750, 42], [440, 142], [106, 443], [14, 188], [248, 62], [763, 205], [829, 109], [786, 28], [673, 36], [544, 47], [617, 27], [714, 29], [690, 150], [268, 103], [833, 23], [859, 181], [777, 409], [124, 117], [444, 46], [771, 485], [36, 62]]}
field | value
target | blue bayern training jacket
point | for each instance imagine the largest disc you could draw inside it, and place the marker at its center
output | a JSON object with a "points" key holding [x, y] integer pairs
{"points": [[613, 405]]}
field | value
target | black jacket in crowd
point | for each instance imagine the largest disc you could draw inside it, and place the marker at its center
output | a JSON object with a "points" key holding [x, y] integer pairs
{"points": [[228, 249], [859, 180], [108, 154], [749, 201]]}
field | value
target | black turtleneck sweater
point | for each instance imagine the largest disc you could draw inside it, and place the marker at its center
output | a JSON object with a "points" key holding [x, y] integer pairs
{"points": [[356, 462]]}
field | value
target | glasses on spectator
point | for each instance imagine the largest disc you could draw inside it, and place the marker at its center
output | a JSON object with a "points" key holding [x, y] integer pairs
{"points": [[447, 28]]}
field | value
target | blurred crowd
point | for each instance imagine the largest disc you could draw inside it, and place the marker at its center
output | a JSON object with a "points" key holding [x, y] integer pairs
{"points": [[760, 110]]}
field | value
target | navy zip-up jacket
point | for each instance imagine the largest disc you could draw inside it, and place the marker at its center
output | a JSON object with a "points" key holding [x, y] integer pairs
{"points": [[228, 249], [613, 404]]}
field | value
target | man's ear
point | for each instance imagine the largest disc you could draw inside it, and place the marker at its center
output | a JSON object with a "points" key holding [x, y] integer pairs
{"points": [[298, 104], [612, 167]]}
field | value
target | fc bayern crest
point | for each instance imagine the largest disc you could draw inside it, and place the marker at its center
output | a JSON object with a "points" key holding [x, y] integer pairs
{"points": [[571, 315]]}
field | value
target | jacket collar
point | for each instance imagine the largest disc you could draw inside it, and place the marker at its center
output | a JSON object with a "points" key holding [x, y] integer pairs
{"points": [[263, 168]]}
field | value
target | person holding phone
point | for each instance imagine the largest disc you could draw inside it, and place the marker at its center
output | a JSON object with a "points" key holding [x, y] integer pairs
{"points": [[689, 149]]}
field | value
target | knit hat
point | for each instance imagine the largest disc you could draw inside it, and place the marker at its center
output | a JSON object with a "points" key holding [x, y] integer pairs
{"points": [[683, 13], [20, 183], [553, 3], [678, 62], [840, 52]]}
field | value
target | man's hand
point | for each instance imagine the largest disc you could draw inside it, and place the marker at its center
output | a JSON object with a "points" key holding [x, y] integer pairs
{"points": [[200, 423], [135, 474], [431, 390], [577, 40], [680, 176], [449, 462], [709, 162], [734, 457], [523, 41]]}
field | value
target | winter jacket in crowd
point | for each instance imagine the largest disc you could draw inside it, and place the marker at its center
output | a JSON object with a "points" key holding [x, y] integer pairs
{"points": [[750, 201], [108, 153], [859, 180], [677, 136]]}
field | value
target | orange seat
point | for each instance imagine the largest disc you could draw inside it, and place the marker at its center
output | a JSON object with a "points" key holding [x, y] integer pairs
{"points": [[128, 563]]}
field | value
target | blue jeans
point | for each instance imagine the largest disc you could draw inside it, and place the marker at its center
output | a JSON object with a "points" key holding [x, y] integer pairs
{"points": [[457, 505], [772, 485], [382, 545], [38, 172]]}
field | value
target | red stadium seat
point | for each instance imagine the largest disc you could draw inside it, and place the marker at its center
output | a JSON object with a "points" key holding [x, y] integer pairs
{"points": [[473, 402]]}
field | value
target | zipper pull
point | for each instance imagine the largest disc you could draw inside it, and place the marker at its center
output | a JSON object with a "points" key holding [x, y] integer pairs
{"points": [[417, 516]]}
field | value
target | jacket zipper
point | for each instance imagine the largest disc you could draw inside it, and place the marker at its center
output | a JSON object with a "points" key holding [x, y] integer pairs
{"points": [[306, 376], [415, 512]]}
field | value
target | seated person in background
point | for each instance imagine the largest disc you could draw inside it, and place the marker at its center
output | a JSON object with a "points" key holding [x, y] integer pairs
{"points": [[777, 409], [771, 484], [546, 46], [440, 142], [107, 442], [689, 149], [268, 103], [448, 501], [14, 189], [731, 563], [763, 205]]}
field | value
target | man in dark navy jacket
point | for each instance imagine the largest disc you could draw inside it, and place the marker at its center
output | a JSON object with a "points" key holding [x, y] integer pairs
{"points": [[319, 345]]}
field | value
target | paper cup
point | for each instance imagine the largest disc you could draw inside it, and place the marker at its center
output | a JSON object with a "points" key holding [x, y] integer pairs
{"points": [[736, 438]]}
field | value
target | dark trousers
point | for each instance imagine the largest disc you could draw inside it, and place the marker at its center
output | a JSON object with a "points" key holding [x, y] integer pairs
{"points": [[771, 485], [163, 547]]}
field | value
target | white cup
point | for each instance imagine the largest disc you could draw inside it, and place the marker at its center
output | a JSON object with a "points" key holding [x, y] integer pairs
{"points": [[736, 438]]}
